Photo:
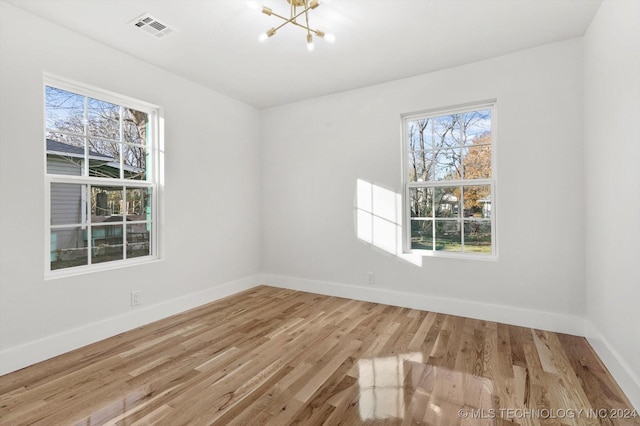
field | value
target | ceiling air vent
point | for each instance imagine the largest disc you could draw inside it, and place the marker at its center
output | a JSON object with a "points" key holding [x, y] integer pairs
{"points": [[152, 26]]}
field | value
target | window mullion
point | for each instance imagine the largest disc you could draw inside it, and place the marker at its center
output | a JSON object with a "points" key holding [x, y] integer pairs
{"points": [[461, 218], [125, 207], [448, 183], [89, 226], [85, 123], [120, 145]]}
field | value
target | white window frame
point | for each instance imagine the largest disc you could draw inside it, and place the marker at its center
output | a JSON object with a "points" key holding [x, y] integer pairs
{"points": [[492, 182], [153, 179]]}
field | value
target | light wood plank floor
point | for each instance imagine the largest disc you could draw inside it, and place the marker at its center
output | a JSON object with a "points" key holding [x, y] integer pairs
{"points": [[281, 357]]}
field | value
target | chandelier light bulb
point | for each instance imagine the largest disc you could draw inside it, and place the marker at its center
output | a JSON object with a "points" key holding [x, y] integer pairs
{"points": [[310, 45], [264, 36], [330, 38], [253, 5]]}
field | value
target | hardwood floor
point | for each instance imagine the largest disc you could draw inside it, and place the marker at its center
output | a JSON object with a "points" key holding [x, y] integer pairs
{"points": [[281, 357]]}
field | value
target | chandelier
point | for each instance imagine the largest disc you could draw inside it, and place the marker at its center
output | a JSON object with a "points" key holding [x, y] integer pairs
{"points": [[299, 16]]}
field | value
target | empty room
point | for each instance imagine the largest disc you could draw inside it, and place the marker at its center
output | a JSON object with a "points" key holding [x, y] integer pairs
{"points": [[357, 212]]}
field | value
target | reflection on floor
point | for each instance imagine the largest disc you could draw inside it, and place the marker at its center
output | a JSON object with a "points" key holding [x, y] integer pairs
{"points": [[381, 382], [279, 357], [433, 393]]}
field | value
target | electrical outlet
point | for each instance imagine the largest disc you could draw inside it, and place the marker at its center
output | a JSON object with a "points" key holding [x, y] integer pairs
{"points": [[370, 277], [136, 298]]}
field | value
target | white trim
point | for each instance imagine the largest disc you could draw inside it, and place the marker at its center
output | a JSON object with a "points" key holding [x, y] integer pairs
{"points": [[99, 181], [543, 320], [450, 183], [622, 373], [94, 267], [92, 137], [21, 356], [453, 254], [93, 91], [452, 109]]}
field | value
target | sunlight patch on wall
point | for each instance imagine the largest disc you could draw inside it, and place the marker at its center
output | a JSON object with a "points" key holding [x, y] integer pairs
{"points": [[379, 219]]}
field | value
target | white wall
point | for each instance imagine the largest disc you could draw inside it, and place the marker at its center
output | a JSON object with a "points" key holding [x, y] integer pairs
{"points": [[211, 228], [612, 188], [314, 151]]}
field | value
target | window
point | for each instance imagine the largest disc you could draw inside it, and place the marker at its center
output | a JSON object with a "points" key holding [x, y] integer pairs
{"points": [[449, 176], [101, 178]]}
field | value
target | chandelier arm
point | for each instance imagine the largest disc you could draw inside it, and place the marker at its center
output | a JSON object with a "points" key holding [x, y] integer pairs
{"points": [[306, 16], [316, 32], [292, 19]]}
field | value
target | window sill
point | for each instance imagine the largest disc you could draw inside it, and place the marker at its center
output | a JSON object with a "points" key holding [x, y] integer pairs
{"points": [[83, 270], [453, 255]]}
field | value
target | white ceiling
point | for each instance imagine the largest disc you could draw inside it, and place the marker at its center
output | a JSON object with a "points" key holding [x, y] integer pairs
{"points": [[377, 40]]}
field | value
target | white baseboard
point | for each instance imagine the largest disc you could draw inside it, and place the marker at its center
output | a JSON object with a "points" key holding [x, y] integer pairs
{"points": [[628, 381], [18, 357], [550, 321]]}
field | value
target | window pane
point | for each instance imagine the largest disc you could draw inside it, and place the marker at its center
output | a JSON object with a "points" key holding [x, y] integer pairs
{"points": [[477, 236], [64, 110], [65, 154], [138, 240], [448, 165], [68, 248], [135, 162], [448, 235], [446, 132], [68, 204], [106, 201], [477, 201], [104, 119], [138, 204], [104, 159], [136, 125], [477, 162], [421, 165], [61, 165], [446, 201], [106, 243], [421, 202], [477, 126], [420, 134], [422, 235]]}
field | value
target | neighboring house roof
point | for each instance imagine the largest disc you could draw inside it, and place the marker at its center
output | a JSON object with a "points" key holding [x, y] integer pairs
{"points": [[66, 150], [61, 148]]}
